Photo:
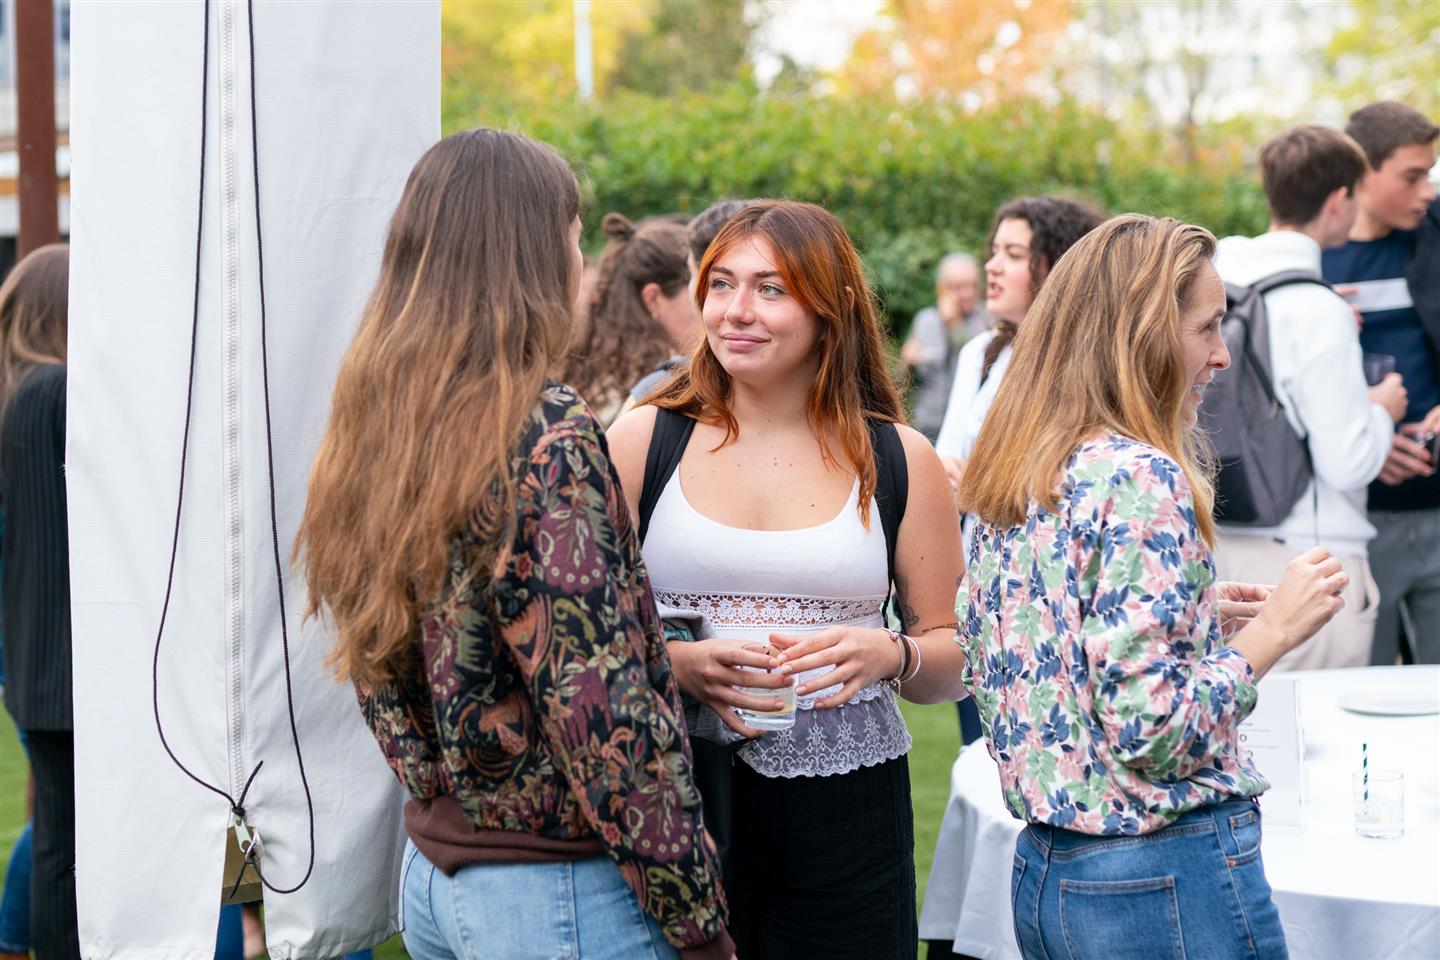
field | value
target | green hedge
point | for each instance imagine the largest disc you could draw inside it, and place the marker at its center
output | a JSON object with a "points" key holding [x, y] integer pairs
{"points": [[910, 181]]}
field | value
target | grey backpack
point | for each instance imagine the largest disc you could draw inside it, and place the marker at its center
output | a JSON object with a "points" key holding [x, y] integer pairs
{"points": [[1264, 464]]}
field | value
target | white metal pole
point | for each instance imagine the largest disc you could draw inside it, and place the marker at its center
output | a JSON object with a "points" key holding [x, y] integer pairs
{"points": [[584, 54]]}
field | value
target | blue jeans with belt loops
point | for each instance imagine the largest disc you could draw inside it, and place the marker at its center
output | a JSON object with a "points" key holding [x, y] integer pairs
{"points": [[525, 911], [1194, 890]]}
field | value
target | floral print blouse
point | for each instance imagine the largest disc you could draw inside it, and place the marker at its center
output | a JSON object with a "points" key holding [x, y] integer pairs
{"points": [[542, 698], [1094, 653]]}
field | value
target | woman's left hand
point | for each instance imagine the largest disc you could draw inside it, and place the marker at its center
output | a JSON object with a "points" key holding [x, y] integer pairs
{"points": [[1239, 602], [861, 655]]}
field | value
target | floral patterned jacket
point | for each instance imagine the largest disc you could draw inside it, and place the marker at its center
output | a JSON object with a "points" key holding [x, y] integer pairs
{"points": [[1094, 652], [543, 699]]}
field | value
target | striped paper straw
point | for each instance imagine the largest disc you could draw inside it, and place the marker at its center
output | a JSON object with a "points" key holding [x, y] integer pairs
{"points": [[1365, 770]]}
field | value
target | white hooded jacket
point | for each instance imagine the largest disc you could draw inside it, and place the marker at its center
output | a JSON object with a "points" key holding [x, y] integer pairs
{"points": [[1316, 359]]}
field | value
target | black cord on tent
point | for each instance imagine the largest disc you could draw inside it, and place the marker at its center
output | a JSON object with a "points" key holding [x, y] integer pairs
{"points": [[237, 806]]}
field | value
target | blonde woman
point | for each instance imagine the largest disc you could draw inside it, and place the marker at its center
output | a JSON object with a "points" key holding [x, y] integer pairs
{"points": [[467, 534], [1112, 672]]}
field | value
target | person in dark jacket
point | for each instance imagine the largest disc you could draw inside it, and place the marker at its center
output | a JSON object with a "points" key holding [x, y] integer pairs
{"points": [[1389, 270], [34, 305]]}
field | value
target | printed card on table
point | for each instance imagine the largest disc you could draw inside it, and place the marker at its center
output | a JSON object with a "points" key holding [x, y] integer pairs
{"points": [[1272, 735]]}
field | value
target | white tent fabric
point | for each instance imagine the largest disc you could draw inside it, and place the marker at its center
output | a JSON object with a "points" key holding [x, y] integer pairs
{"points": [[347, 100]]}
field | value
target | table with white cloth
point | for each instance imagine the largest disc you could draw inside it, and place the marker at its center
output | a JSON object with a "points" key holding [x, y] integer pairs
{"points": [[1339, 895]]}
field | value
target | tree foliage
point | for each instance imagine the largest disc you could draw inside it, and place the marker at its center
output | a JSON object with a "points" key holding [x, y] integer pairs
{"points": [[523, 51], [910, 181], [972, 52], [687, 45], [1389, 51]]}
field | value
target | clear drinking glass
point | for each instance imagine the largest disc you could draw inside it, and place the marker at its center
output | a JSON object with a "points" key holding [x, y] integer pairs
{"points": [[781, 719], [1378, 366], [1379, 803]]}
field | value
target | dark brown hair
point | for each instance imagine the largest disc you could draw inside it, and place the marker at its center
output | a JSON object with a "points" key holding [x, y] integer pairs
{"points": [[34, 316], [707, 224], [472, 307], [1100, 351], [619, 341], [1385, 126], [817, 263], [1303, 166], [1055, 224]]}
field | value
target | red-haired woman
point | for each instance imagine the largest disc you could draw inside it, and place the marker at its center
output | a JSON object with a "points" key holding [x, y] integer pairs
{"points": [[772, 529]]}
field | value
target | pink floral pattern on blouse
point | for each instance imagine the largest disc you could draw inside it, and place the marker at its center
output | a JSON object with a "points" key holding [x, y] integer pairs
{"points": [[1094, 652]]}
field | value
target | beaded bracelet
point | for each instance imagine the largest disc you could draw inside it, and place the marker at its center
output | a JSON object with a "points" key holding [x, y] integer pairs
{"points": [[899, 639]]}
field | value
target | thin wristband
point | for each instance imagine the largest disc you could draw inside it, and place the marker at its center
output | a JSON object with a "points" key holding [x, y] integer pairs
{"points": [[917, 660]]}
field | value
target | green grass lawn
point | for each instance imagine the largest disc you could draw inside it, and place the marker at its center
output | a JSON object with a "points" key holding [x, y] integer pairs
{"points": [[935, 730]]}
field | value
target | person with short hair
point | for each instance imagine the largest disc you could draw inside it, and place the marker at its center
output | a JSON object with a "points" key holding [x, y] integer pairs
{"points": [[936, 335], [1111, 671], [1373, 267], [1309, 175]]}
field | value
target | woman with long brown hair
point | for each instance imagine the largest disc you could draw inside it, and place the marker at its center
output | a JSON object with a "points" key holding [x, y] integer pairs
{"points": [[34, 321], [466, 533], [1111, 671], [794, 500], [639, 314], [1028, 237]]}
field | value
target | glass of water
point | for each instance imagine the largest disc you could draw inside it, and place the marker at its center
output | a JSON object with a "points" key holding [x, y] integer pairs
{"points": [[781, 719], [1379, 803], [1378, 366]]}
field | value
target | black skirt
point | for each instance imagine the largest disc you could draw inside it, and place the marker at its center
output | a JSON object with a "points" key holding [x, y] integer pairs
{"points": [[823, 866]]}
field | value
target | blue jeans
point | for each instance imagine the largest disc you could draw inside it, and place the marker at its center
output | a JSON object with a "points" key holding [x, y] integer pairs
{"points": [[15, 902], [1196, 888], [517, 911], [230, 937]]}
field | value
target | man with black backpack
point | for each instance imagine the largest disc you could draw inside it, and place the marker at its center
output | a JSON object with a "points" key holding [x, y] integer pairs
{"points": [[1298, 432]]}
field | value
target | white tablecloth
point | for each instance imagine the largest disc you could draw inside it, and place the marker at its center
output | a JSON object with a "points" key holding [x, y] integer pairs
{"points": [[1339, 895]]}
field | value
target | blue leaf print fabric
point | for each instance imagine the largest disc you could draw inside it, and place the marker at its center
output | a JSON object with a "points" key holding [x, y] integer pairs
{"points": [[1093, 650]]}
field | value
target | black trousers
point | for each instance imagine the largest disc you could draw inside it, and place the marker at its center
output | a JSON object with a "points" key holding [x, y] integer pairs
{"points": [[823, 866], [54, 926]]}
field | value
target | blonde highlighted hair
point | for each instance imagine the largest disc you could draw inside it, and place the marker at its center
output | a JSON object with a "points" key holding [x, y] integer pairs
{"points": [[1099, 352], [471, 309]]}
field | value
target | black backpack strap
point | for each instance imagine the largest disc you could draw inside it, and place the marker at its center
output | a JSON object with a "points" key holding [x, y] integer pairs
{"points": [[1268, 284], [1286, 278], [667, 445], [892, 484]]}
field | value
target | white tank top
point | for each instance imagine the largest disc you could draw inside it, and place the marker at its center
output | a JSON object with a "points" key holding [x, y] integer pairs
{"points": [[748, 584]]}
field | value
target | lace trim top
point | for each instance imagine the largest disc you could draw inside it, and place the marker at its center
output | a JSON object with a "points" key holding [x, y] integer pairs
{"points": [[747, 584], [760, 610]]}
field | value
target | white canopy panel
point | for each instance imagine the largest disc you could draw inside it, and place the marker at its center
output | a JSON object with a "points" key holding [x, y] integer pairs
{"points": [[347, 98]]}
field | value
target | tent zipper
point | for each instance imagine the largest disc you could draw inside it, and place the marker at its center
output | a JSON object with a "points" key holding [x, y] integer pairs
{"points": [[230, 392]]}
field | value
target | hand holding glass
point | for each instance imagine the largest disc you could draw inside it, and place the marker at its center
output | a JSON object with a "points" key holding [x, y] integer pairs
{"points": [[781, 719], [1378, 366]]}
